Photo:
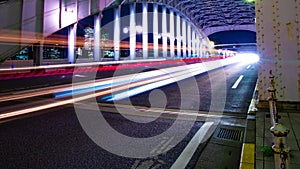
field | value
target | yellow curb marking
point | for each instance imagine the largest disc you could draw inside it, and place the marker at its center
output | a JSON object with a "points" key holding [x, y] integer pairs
{"points": [[248, 155]]}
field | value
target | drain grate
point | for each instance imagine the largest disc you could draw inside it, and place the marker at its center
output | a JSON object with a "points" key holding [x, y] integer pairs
{"points": [[229, 134]]}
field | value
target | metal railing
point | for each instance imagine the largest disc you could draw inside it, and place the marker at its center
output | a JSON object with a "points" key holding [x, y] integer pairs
{"points": [[279, 131]]}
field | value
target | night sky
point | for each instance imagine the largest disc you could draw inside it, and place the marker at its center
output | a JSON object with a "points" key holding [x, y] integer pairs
{"points": [[236, 36]]}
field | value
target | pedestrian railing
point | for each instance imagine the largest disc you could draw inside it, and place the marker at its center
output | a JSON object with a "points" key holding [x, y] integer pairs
{"points": [[279, 131]]}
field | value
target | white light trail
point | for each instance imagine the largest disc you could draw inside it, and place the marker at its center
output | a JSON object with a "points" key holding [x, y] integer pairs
{"points": [[182, 72], [168, 75], [3, 70]]}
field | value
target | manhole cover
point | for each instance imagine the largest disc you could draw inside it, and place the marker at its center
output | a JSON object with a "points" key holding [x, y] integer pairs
{"points": [[229, 134]]}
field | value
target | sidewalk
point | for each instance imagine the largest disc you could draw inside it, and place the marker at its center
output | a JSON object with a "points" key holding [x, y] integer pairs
{"points": [[289, 117]]}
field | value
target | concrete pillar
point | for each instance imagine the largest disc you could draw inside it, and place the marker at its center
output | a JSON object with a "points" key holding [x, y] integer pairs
{"points": [[278, 41], [198, 47], [178, 36], [189, 40], [117, 34], [184, 38], [145, 30], [33, 11], [37, 54], [193, 43], [97, 35], [202, 49], [164, 32], [155, 30], [172, 34], [71, 43], [132, 31]]}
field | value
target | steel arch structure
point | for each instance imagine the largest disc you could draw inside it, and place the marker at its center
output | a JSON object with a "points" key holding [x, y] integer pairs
{"points": [[216, 15]]}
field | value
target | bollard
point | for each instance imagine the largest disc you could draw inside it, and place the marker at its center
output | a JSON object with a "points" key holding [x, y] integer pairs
{"points": [[280, 149]]}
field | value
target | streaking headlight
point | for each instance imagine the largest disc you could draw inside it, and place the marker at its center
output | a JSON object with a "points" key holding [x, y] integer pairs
{"points": [[248, 57]]}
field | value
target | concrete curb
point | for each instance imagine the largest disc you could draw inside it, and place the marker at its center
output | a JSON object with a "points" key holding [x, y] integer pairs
{"points": [[248, 150]]}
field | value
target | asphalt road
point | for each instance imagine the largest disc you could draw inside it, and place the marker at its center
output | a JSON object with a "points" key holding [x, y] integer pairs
{"points": [[56, 138]]}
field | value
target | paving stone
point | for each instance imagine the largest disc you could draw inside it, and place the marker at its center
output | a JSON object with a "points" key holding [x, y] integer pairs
{"points": [[259, 164], [295, 157]]}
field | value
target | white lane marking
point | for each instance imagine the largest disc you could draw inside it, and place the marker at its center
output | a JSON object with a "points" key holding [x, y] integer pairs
{"points": [[237, 82], [249, 67], [190, 149]]}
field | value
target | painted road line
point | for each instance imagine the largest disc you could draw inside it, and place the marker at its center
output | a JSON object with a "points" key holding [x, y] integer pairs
{"points": [[252, 108], [190, 149], [237, 82]]}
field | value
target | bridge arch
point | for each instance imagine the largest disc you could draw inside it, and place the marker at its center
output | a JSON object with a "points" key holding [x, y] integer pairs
{"points": [[212, 30]]}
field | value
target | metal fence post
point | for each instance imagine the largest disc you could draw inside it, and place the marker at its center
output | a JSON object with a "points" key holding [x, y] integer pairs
{"points": [[281, 152], [279, 131], [272, 100]]}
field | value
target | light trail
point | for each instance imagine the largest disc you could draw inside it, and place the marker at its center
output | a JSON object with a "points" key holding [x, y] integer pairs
{"points": [[166, 77], [190, 70], [179, 75], [68, 90], [187, 72], [79, 65], [73, 100]]}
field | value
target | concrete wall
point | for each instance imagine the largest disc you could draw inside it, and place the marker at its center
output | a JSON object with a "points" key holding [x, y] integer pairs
{"points": [[10, 23]]}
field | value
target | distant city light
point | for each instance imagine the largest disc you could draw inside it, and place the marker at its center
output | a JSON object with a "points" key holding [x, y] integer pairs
{"points": [[125, 30]]}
